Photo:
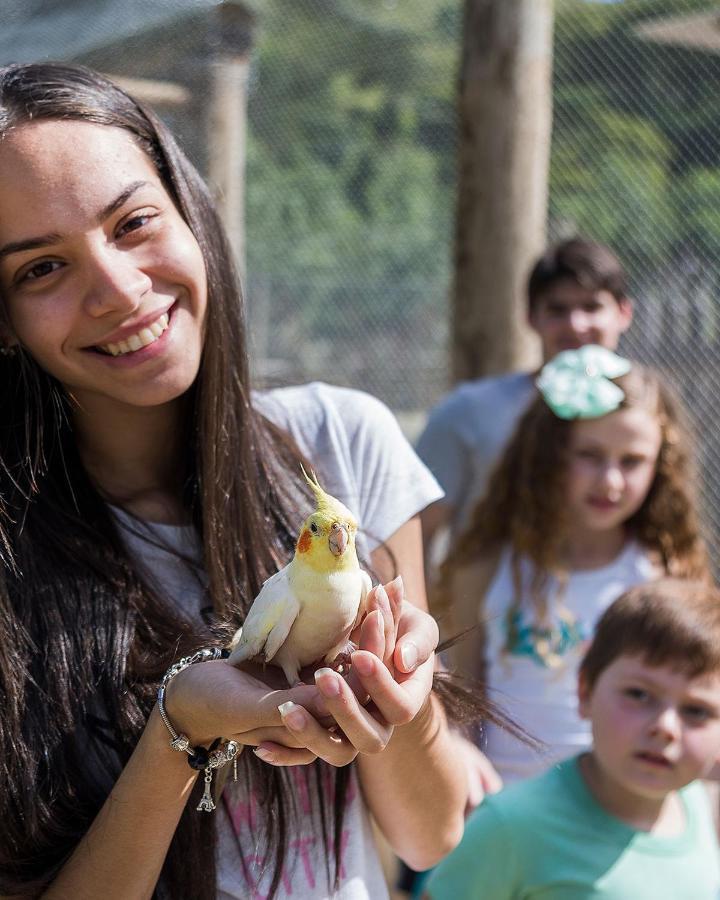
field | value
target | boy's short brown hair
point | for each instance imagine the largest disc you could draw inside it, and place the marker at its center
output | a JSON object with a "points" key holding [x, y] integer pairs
{"points": [[589, 264], [668, 622]]}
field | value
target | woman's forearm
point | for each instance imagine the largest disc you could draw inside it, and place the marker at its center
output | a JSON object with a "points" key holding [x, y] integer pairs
{"points": [[416, 790], [122, 853]]}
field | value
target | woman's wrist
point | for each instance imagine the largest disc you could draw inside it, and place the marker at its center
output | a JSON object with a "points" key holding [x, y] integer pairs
{"points": [[427, 723], [155, 744]]}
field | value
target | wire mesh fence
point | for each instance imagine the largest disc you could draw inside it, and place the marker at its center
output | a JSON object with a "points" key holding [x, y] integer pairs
{"points": [[350, 194], [636, 163], [350, 168]]}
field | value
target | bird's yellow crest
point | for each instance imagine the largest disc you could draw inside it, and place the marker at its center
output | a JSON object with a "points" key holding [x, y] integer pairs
{"points": [[327, 505]]}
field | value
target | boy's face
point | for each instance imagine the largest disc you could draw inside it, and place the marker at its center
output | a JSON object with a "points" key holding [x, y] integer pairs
{"points": [[654, 729], [568, 316]]}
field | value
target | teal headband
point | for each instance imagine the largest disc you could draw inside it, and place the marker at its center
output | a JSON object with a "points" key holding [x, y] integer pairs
{"points": [[576, 383]]}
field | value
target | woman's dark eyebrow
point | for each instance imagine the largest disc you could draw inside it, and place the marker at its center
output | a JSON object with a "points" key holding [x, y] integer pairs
{"points": [[35, 243], [47, 240], [120, 199]]}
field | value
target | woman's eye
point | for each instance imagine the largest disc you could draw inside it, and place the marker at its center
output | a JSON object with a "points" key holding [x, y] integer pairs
{"points": [[39, 270], [133, 224]]}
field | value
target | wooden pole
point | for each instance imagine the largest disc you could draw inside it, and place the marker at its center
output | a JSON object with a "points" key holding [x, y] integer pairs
{"points": [[505, 114], [227, 146]]}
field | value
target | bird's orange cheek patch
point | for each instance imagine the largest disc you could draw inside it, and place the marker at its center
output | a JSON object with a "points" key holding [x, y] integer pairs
{"points": [[303, 544]]}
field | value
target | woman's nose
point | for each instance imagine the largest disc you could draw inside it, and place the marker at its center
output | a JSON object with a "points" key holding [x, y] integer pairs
{"points": [[116, 283]]}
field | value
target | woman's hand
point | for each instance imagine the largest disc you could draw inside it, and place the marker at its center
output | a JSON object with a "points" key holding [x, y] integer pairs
{"points": [[400, 687], [214, 699], [482, 776], [389, 683]]}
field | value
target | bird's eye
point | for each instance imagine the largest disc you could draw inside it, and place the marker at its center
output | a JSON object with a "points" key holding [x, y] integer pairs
{"points": [[313, 528]]}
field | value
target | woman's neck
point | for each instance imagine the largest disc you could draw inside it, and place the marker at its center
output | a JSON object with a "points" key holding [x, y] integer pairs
{"points": [[134, 456], [592, 550]]}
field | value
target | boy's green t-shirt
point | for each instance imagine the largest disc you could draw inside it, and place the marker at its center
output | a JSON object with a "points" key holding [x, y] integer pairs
{"points": [[548, 839]]}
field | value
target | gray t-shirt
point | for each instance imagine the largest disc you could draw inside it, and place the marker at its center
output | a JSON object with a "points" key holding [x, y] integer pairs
{"points": [[466, 434], [365, 461]]}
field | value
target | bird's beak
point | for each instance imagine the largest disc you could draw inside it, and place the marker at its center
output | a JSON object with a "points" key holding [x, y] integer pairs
{"points": [[338, 539]]}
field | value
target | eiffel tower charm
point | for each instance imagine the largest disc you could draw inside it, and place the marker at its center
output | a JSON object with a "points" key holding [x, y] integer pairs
{"points": [[206, 803]]}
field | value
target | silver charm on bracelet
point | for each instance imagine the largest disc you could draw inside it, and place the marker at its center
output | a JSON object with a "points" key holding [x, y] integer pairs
{"points": [[200, 758], [221, 756]]}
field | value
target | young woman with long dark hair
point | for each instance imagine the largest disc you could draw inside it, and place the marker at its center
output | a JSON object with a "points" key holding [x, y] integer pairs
{"points": [[146, 494]]}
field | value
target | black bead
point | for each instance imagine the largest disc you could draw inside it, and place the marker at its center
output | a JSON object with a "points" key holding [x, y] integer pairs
{"points": [[199, 759]]}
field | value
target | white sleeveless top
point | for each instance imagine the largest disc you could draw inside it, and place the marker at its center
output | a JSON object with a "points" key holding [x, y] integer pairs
{"points": [[542, 698]]}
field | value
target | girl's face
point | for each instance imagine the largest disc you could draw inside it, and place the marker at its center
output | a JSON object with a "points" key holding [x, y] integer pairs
{"points": [[103, 281], [611, 468]]}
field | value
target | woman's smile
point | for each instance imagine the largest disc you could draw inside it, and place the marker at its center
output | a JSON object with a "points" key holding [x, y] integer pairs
{"points": [[134, 338]]}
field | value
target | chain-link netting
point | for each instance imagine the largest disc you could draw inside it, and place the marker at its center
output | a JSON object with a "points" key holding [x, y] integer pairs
{"points": [[350, 194], [636, 164]]}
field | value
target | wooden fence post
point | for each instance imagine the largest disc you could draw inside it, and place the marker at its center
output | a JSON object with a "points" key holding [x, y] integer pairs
{"points": [[505, 113]]}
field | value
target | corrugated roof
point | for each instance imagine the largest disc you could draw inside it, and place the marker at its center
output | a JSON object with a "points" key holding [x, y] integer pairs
{"points": [[68, 29]]}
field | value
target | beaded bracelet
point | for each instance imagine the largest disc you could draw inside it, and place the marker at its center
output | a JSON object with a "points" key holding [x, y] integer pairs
{"points": [[220, 753]]}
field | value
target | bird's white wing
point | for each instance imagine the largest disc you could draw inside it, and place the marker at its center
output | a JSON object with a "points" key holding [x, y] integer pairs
{"points": [[269, 620], [365, 586]]}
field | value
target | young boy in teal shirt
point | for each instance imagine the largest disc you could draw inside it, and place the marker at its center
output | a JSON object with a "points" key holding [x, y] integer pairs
{"points": [[629, 820]]}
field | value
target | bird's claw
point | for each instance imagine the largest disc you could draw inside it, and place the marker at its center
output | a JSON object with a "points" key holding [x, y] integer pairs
{"points": [[341, 662]]}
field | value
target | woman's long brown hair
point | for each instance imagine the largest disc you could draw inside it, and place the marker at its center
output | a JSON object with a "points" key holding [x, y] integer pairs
{"points": [[524, 506], [83, 639]]}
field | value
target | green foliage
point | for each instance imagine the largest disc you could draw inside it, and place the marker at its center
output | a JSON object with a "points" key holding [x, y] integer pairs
{"points": [[350, 159]]}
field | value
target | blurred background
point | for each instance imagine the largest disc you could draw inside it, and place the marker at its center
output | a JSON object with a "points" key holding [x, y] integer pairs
{"points": [[328, 129]]}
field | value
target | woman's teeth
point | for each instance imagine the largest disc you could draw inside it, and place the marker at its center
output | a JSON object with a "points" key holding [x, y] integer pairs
{"points": [[144, 337]]}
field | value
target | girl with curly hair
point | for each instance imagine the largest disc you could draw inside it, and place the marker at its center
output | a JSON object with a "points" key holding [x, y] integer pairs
{"points": [[594, 495]]}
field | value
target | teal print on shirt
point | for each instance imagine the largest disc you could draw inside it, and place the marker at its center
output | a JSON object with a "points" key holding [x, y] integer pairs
{"points": [[556, 642]]}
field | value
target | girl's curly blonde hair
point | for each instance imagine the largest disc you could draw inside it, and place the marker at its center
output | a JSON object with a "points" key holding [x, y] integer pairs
{"points": [[524, 506]]}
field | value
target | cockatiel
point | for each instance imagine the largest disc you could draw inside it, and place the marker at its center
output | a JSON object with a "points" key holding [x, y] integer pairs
{"points": [[307, 610]]}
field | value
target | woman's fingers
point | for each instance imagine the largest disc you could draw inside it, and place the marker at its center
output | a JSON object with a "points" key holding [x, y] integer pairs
{"points": [[397, 701], [395, 591], [417, 638], [305, 695], [372, 632], [275, 734], [365, 732], [331, 746], [279, 755], [381, 603]]}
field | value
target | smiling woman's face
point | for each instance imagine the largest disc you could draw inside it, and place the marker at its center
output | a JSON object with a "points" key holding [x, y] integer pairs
{"points": [[104, 283]]}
